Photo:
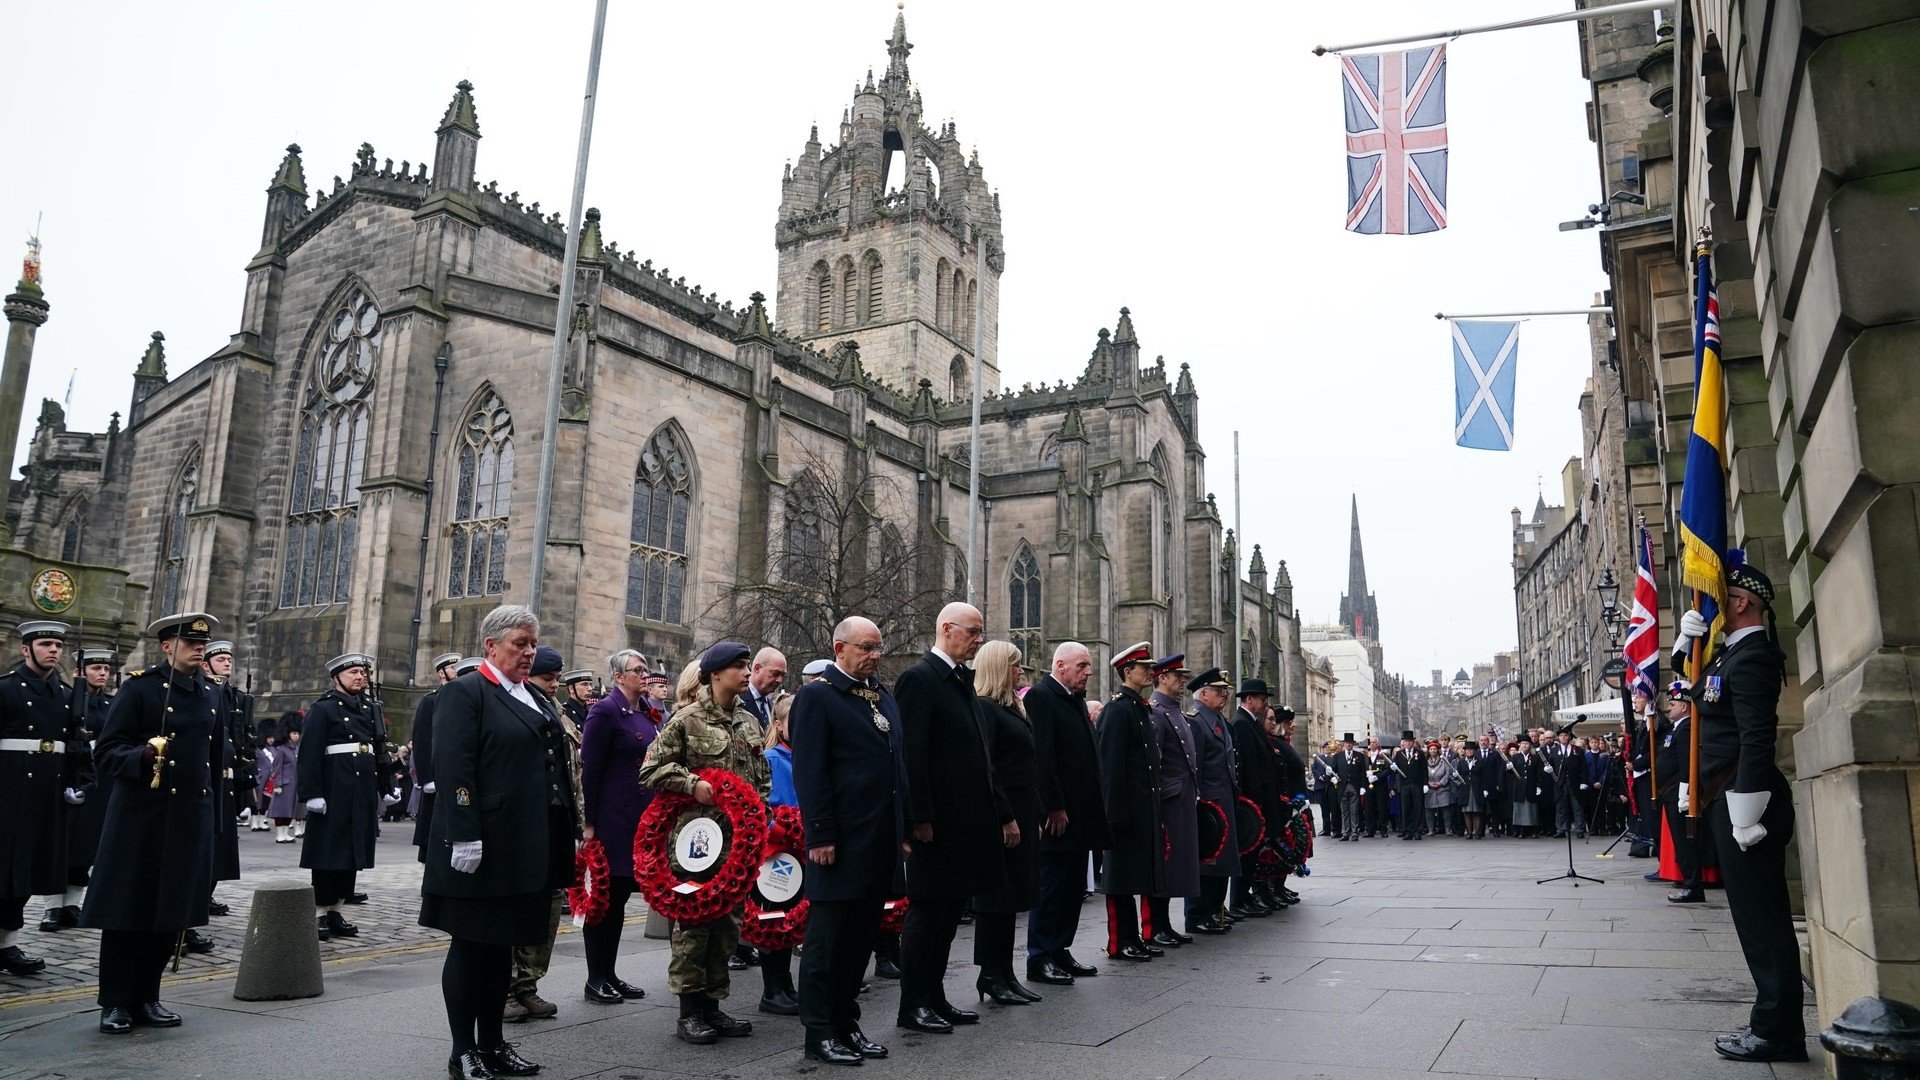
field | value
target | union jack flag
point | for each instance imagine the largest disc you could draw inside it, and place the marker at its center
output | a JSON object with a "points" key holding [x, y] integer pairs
{"points": [[1642, 650], [1396, 107]]}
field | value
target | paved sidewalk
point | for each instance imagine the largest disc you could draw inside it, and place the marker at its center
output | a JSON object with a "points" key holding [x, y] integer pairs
{"points": [[1407, 959]]}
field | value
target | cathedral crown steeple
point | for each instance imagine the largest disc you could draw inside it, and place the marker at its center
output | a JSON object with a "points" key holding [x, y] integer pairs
{"points": [[898, 47]]}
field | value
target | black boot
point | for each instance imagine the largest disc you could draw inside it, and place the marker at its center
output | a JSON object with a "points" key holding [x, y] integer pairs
{"points": [[886, 956], [776, 993], [992, 986], [726, 1026], [692, 1026], [1013, 982], [15, 962]]}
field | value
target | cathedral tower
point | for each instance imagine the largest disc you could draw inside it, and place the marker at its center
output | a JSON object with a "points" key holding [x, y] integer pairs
{"points": [[881, 238]]}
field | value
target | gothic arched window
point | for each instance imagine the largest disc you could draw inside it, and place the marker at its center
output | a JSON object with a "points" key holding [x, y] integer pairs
{"points": [[173, 542], [663, 488], [942, 297], [1160, 470], [823, 297], [1023, 602], [74, 529], [849, 293], [973, 307], [959, 386], [876, 294], [804, 554], [1050, 451], [329, 457], [478, 563], [957, 318]]}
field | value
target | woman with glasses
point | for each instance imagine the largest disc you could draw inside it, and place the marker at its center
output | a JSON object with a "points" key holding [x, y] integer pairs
{"points": [[618, 730], [999, 676]]}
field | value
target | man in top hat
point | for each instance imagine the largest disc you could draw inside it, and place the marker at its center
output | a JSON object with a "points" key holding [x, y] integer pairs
{"points": [[1260, 782], [85, 818], [578, 684], [1213, 769], [1130, 790], [38, 774], [237, 775], [1350, 778], [446, 667], [1410, 768], [342, 743], [157, 767], [1179, 804], [1749, 809]]}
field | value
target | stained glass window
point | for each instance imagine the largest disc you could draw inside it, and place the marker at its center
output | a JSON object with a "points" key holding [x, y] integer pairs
{"points": [[662, 519], [1023, 602], [482, 493], [173, 544], [330, 456], [74, 530]]}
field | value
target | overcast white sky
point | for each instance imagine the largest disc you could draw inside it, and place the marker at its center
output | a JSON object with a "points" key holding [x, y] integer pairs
{"points": [[1183, 160]]}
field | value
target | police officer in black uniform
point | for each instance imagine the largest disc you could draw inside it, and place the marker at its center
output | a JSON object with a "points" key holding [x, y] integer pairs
{"points": [[444, 671], [84, 820], [342, 743], [156, 758], [37, 778], [1748, 810]]}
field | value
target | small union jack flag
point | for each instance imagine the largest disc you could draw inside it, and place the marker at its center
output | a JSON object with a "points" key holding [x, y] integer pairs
{"points": [[1396, 107]]}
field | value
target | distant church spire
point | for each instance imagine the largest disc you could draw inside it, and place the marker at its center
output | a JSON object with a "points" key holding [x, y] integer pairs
{"points": [[898, 46], [1358, 612]]}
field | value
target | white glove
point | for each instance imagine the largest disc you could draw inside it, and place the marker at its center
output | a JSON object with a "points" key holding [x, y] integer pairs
{"points": [[466, 856], [1583, 787], [316, 806], [75, 798], [389, 798], [1744, 809], [1684, 804], [1334, 780], [1692, 626], [246, 814], [1536, 791], [1373, 778], [1549, 770], [427, 788]]}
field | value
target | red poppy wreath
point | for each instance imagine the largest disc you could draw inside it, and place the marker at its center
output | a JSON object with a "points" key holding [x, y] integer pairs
{"points": [[776, 909], [587, 898], [685, 867], [893, 915], [1253, 824]]}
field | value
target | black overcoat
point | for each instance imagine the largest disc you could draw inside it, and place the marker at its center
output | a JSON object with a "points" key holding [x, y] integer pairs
{"points": [[236, 771], [1213, 753], [84, 821], [33, 783], [1259, 773], [1179, 798], [156, 848], [850, 777], [423, 769], [1067, 766], [1130, 791], [1009, 738], [948, 784], [343, 837]]}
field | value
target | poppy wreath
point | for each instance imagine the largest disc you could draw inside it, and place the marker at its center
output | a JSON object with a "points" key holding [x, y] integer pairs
{"points": [[696, 902], [893, 915], [1250, 838], [784, 929], [1213, 820], [587, 898]]}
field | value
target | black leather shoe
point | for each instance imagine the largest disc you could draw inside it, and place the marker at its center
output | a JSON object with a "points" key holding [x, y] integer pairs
{"points": [[603, 993], [70, 918], [779, 1003], [833, 1052], [504, 1060], [326, 931], [197, 942], [1132, 953], [215, 907], [994, 988], [15, 962], [1289, 895], [726, 1026], [924, 1019], [1746, 1046], [1165, 939], [955, 1015], [1687, 896], [886, 967], [1232, 915], [154, 1014], [857, 1041], [469, 1066], [1046, 971], [695, 1030], [1209, 925], [52, 923], [115, 1021], [357, 898], [627, 990], [1177, 936], [1151, 950], [1074, 967], [339, 926]]}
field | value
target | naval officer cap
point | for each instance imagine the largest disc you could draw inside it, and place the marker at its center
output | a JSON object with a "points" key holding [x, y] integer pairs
{"points": [[722, 655], [471, 663], [577, 675], [816, 668], [1211, 679], [349, 660], [90, 657], [445, 659], [31, 632], [219, 648], [1141, 653], [187, 626]]}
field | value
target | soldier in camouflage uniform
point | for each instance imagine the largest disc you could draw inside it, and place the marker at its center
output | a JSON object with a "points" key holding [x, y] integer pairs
{"points": [[714, 731]]}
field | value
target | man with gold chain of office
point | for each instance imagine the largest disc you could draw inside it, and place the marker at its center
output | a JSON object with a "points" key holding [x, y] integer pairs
{"points": [[1747, 808]]}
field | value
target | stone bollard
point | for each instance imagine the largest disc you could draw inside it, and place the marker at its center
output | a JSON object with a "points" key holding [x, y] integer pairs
{"points": [[659, 927], [1875, 1039], [280, 959]]}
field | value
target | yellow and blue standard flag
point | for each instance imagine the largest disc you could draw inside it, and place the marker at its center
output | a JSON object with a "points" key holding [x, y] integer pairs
{"points": [[1703, 497]]}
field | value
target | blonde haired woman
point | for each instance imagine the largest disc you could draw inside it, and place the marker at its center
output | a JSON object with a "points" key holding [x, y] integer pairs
{"points": [[999, 675], [688, 687]]}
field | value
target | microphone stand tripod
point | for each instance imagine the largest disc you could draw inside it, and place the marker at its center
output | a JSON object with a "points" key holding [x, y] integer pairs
{"points": [[1575, 876]]}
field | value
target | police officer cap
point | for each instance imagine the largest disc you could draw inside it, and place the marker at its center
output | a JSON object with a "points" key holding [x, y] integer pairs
{"points": [[816, 668], [1211, 679], [219, 648], [349, 660], [470, 664], [547, 661], [187, 626], [1141, 653], [89, 657], [1170, 665], [577, 675], [1743, 576], [1254, 688], [31, 632], [722, 655], [445, 659]]}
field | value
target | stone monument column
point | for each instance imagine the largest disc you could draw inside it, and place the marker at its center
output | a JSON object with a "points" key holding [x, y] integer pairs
{"points": [[26, 312]]}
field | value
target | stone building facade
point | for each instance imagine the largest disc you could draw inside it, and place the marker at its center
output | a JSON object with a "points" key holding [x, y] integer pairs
{"points": [[354, 469], [1553, 602]]}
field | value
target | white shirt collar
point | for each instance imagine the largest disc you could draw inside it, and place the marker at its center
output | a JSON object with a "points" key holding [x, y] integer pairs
{"points": [[516, 690], [1740, 635], [942, 654]]}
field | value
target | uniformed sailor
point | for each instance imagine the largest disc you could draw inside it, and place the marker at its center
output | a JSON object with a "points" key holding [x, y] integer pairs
{"points": [[445, 669], [38, 774], [236, 771], [83, 820], [342, 742]]}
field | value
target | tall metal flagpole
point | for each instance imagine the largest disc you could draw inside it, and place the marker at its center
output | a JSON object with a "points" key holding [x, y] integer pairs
{"points": [[563, 319], [1239, 610], [1581, 15]]}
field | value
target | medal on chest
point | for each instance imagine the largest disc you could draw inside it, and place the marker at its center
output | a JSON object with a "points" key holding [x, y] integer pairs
{"points": [[1711, 692]]}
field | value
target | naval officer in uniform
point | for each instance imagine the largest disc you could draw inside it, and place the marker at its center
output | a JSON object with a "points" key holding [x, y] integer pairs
{"points": [[342, 742]]}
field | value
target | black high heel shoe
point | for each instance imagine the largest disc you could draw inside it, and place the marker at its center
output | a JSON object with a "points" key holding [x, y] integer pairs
{"points": [[994, 988], [1013, 984]]}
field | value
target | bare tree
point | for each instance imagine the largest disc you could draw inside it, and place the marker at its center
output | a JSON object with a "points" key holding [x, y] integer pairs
{"points": [[839, 552]]}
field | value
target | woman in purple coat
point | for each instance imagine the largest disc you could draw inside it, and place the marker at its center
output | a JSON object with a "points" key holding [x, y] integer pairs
{"points": [[283, 802], [615, 738]]}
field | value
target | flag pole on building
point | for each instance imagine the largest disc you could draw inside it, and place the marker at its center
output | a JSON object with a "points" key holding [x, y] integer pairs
{"points": [[1582, 15], [563, 319]]}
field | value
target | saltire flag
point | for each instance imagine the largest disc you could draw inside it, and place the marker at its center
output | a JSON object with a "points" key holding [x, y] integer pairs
{"points": [[1484, 357], [1396, 105], [1642, 649], [1703, 497]]}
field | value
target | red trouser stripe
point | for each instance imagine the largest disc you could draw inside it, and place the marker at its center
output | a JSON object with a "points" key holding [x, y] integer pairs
{"points": [[1147, 927], [1113, 924]]}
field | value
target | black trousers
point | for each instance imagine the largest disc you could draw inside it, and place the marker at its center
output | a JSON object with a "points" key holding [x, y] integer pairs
{"points": [[332, 887], [925, 945], [1123, 922], [1056, 905], [131, 963], [1154, 915], [602, 939], [1212, 900], [1413, 810], [840, 937], [1377, 810], [12, 913], [993, 941], [1756, 884]]}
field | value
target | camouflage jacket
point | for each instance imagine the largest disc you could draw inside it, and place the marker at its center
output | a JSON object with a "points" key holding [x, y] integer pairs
{"points": [[703, 736]]}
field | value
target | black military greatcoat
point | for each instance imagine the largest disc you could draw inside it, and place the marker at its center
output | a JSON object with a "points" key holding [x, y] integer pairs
{"points": [[1179, 798], [423, 768], [1130, 790], [349, 779], [84, 821], [1213, 753], [33, 781], [1258, 771], [236, 769]]}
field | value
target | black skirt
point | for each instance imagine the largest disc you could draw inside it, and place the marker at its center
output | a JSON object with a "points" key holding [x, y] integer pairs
{"points": [[1022, 860], [518, 919]]}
